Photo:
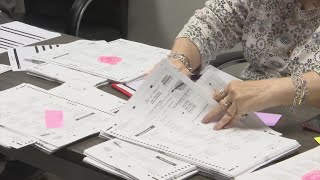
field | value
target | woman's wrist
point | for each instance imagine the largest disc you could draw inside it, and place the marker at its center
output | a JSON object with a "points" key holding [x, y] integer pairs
{"points": [[188, 49], [282, 90]]}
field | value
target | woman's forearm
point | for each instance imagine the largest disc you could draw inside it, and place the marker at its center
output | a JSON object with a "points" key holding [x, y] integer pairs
{"points": [[284, 93], [186, 47]]}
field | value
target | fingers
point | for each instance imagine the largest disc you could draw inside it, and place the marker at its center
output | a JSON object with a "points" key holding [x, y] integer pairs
{"points": [[234, 120], [223, 105], [220, 94], [229, 117]]}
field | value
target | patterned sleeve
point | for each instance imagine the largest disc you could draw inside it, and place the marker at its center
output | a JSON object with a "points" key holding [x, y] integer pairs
{"points": [[216, 27]]}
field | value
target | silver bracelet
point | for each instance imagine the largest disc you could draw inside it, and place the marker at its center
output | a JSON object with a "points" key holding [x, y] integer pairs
{"points": [[182, 58], [300, 89]]}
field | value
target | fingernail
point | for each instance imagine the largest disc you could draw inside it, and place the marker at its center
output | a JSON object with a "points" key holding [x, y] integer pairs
{"points": [[205, 119]]}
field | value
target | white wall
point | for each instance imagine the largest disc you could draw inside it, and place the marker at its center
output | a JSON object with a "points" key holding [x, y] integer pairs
{"points": [[157, 22]]}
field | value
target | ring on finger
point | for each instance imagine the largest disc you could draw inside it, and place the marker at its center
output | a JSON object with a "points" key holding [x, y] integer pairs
{"points": [[225, 102], [221, 91], [243, 115]]}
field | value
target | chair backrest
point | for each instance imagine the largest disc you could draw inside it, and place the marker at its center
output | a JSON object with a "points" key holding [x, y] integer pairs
{"points": [[8, 6]]}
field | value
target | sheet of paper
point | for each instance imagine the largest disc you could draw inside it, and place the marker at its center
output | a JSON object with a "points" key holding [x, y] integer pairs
{"points": [[91, 96], [135, 84], [9, 139], [4, 68], [214, 79], [18, 55], [145, 164], [62, 74], [28, 117], [165, 115], [15, 34], [268, 118], [119, 60], [303, 166]]}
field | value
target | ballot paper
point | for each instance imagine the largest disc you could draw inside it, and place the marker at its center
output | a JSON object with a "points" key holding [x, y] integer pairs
{"points": [[15, 34], [120, 60], [4, 68], [60, 74], [18, 55], [9, 139], [214, 79], [90, 96], [53, 120], [165, 115], [134, 162], [305, 166]]}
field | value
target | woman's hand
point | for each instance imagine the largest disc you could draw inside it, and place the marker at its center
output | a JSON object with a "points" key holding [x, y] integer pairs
{"points": [[241, 97], [181, 67]]}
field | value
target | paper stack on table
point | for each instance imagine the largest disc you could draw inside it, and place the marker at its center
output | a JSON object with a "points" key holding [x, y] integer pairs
{"points": [[15, 34], [304, 166], [18, 55], [164, 115], [134, 162], [53, 119], [9, 139], [119, 60]]}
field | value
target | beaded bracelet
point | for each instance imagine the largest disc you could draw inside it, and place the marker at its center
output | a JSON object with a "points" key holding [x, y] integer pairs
{"points": [[300, 89], [182, 58]]}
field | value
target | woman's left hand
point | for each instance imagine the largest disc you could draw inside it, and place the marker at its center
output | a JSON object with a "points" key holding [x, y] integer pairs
{"points": [[241, 97]]}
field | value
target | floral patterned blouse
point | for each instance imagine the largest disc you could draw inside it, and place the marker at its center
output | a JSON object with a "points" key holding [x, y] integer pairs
{"points": [[278, 38]]}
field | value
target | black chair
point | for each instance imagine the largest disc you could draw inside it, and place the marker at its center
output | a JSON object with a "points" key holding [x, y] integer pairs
{"points": [[78, 9], [82, 18], [228, 59]]}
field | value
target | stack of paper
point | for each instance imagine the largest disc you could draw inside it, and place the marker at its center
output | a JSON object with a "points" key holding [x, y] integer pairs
{"points": [[18, 55], [305, 166], [9, 139], [119, 60], [53, 120], [134, 162], [16, 34], [90, 96], [56, 73], [165, 114]]}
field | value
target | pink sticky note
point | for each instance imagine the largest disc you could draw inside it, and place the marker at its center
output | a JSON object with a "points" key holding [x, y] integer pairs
{"points": [[112, 60], [268, 118], [54, 118], [313, 175]]}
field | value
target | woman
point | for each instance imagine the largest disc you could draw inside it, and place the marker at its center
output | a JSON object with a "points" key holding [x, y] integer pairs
{"points": [[281, 42]]}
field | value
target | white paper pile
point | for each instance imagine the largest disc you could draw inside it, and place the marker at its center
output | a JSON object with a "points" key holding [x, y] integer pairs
{"points": [[305, 166], [18, 55], [90, 96], [15, 34], [9, 139], [119, 60], [53, 120], [165, 114], [134, 162]]}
